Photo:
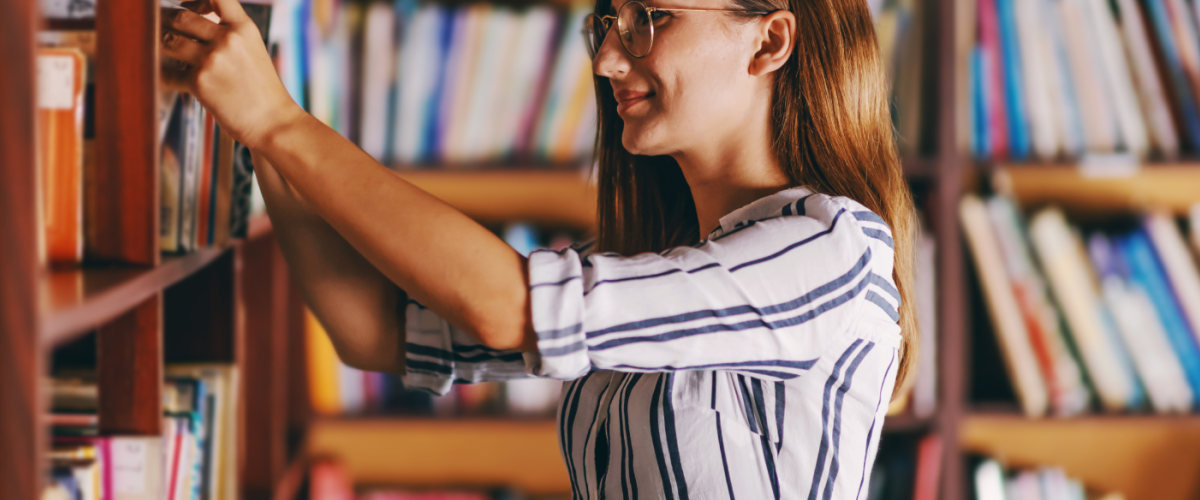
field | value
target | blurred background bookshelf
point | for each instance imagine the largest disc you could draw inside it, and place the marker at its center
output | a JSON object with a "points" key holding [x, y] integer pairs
{"points": [[1034, 101]]}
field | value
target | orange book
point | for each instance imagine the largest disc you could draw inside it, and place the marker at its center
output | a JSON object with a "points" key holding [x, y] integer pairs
{"points": [[60, 81]]}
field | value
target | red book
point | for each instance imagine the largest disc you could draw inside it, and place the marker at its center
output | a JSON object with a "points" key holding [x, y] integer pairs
{"points": [[993, 78], [929, 468], [60, 75]]}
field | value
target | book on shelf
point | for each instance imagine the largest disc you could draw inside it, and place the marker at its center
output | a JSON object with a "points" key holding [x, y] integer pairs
{"points": [[1068, 78], [906, 468], [901, 28], [442, 83], [193, 459], [924, 393], [61, 77], [1110, 313], [990, 481]]}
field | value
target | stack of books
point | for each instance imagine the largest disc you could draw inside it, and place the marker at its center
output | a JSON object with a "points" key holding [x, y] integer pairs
{"points": [[1113, 313], [1065, 78], [442, 83], [194, 459]]}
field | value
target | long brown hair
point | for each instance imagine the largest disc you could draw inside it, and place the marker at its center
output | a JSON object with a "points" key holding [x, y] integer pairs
{"points": [[833, 134]]}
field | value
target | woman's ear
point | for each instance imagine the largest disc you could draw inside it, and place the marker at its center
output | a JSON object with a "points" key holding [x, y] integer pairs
{"points": [[775, 40]]}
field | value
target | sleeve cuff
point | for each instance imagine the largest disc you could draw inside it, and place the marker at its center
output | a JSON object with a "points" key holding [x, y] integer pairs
{"points": [[556, 296], [430, 373]]}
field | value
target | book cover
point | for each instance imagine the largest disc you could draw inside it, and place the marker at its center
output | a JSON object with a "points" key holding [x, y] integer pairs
{"points": [[1145, 339], [1146, 271], [1003, 308], [993, 78], [1073, 288], [1014, 68], [60, 88], [1171, 66], [1151, 94], [376, 79], [1064, 378], [1116, 73], [173, 149]]}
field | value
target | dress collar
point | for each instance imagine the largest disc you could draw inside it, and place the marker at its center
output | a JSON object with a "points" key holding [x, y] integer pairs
{"points": [[767, 207]]}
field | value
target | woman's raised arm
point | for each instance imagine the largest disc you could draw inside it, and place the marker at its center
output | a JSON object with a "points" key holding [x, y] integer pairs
{"points": [[442, 258]]}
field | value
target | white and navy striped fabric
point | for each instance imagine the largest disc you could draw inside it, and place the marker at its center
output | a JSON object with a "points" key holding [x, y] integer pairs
{"points": [[756, 364]]}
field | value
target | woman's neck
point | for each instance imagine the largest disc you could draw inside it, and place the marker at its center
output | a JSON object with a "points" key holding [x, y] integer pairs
{"points": [[724, 179]]}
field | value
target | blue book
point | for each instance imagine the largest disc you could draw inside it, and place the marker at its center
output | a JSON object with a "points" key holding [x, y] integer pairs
{"points": [[1173, 67], [979, 137], [1014, 97], [432, 144], [1104, 262], [1146, 271]]}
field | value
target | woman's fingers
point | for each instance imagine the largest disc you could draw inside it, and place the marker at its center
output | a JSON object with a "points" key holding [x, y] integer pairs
{"points": [[191, 24], [177, 46], [199, 6], [178, 75], [231, 12]]}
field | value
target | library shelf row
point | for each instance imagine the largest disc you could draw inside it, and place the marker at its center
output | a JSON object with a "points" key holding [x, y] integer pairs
{"points": [[1142, 456], [1083, 190], [80, 299]]}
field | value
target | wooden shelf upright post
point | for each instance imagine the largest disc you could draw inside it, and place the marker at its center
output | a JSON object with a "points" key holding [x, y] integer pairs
{"points": [[20, 352]]}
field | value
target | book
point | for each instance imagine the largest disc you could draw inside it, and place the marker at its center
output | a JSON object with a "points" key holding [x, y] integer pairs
{"points": [[1115, 70], [924, 393], [1151, 93], [378, 58], [929, 467], [1068, 393], [189, 178], [61, 75], [1003, 308], [1146, 270], [1179, 268], [174, 149], [221, 425], [1171, 67], [1166, 383], [992, 79], [1060, 254], [1014, 91]]}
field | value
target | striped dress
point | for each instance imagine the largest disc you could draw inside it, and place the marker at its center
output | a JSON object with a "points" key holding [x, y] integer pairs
{"points": [[755, 364]]}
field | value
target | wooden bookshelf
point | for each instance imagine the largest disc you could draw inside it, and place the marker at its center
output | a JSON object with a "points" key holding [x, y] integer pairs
{"points": [[1174, 187], [1142, 456], [437, 452]]}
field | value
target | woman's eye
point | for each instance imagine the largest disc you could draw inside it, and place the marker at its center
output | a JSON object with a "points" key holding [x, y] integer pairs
{"points": [[659, 15]]}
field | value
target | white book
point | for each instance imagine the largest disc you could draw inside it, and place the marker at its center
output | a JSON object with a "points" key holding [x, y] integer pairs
{"points": [[1122, 100], [1003, 307], [535, 37], [1067, 122], [1095, 112], [989, 481], [417, 77], [1037, 85], [1027, 485], [377, 72], [485, 89], [924, 394], [1054, 483], [1073, 286], [1151, 93]]}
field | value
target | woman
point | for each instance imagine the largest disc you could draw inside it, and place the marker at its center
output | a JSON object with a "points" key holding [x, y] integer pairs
{"points": [[745, 314]]}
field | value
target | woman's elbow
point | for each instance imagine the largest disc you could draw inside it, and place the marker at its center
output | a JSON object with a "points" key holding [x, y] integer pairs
{"points": [[375, 358]]}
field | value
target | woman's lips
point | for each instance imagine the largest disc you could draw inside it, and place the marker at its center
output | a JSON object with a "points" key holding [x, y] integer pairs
{"points": [[628, 98]]}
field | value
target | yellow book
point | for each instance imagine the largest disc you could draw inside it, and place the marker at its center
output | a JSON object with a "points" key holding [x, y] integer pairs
{"points": [[323, 361]]}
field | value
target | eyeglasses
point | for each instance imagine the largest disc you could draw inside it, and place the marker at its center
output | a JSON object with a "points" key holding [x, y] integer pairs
{"points": [[635, 26]]}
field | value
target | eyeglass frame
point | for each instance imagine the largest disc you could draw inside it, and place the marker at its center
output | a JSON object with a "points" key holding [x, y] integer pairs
{"points": [[608, 22]]}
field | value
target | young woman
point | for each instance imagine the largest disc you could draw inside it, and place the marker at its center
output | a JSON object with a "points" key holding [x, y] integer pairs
{"points": [[744, 316]]}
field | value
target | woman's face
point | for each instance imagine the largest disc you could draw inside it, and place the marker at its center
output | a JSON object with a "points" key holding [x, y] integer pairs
{"points": [[693, 87]]}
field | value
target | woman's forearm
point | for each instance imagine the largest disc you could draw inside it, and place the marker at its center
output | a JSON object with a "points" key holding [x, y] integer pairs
{"points": [[361, 309], [445, 260]]}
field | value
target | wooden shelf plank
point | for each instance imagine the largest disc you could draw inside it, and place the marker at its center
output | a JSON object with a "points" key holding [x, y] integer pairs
{"points": [[523, 454], [1142, 456], [1175, 187], [74, 301], [561, 197]]}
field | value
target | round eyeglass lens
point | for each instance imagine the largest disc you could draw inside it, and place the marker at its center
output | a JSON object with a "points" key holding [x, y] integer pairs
{"points": [[635, 28]]}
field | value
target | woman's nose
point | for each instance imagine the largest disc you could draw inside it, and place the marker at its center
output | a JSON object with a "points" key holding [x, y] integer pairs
{"points": [[611, 61]]}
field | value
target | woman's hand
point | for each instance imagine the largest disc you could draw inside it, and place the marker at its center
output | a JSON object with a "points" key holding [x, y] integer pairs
{"points": [[226, 66]]}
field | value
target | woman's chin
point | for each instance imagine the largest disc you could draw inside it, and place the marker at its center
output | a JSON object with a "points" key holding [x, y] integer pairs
{"points": [[639, 141]]}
